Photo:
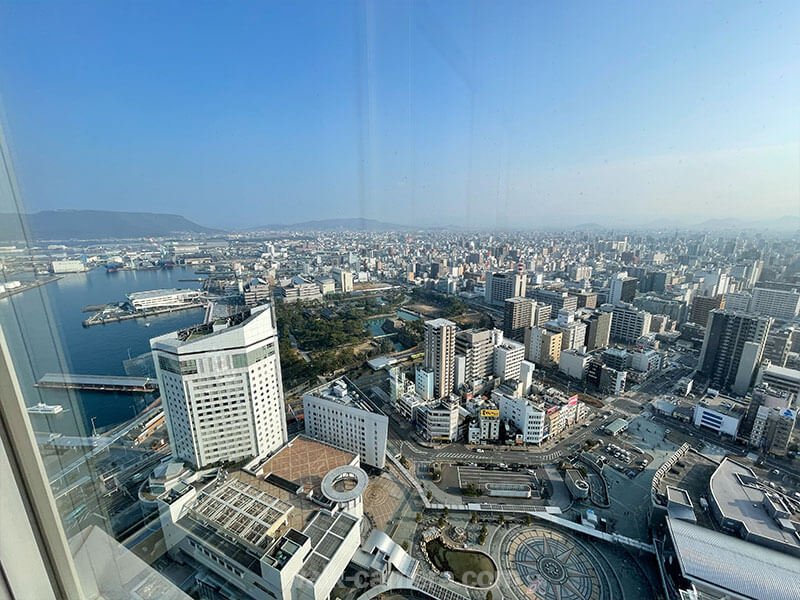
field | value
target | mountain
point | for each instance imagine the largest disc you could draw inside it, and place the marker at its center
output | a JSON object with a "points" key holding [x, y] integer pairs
{"points": [[343, 224], [98, 224]]}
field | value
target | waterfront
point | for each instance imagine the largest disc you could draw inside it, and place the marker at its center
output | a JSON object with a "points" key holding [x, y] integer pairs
{"points": [[43, 326]]}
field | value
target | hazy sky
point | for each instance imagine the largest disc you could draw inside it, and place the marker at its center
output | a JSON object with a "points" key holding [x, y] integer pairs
{"points": [[489, 113]]}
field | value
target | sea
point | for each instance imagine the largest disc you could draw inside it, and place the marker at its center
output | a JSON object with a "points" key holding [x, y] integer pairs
{"points": [[44, 332]]}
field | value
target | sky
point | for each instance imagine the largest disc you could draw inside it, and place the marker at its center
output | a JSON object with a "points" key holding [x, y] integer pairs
{"points": [[491, 114]]}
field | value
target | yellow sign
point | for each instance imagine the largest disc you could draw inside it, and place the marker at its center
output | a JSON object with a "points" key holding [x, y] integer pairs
{"points": [[490, 412]]}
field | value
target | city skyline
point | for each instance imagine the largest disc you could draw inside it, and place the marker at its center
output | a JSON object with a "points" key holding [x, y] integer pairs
{"points": [[419, 115]]}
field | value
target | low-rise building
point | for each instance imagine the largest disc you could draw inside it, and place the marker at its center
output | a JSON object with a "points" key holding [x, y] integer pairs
{"points": [[162, 298]]}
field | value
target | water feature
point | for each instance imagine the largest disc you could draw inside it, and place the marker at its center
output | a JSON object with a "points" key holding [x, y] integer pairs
{"points": [[43, 330], [469, 567]]}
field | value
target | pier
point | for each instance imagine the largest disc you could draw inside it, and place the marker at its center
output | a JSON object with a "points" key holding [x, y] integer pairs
{"points": [[102, 318], [98, 383]]}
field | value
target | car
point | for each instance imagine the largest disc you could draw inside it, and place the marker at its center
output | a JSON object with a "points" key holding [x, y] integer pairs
{"points": [[776, 472], [667, 431], [479, 450]]}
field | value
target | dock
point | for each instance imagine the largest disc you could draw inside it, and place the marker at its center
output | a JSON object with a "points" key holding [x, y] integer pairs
{"points": [[98, 383], [102, 318]]}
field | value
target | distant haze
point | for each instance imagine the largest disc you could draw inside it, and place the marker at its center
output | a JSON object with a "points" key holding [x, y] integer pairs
{"points": [[500, 114]]}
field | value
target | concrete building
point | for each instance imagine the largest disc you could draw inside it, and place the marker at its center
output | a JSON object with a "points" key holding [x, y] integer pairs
{"points": [[221, 388], [440, 349], [344, 280], [719, 414], [585, 299], [162, 298], [518, 315], [573, 332], [739, 302], [622, 288], [646, 361], [527, 415], [501, 286], [556, 299], [702, 305], [742, 507], [628, 324], [598, 328], [408, 403], [779, 378], [249, 538], [337, 413], [424, 383], [476, 346], [542, 347], [574, 363], [732, 348], [783, 304], [299, 292], [508, 357], [438, 421], [763, 395], [773, 428]]}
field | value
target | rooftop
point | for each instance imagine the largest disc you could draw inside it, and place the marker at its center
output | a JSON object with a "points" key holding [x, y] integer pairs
{"points": [[740, 497], [306, 462], [437, 323], [343, 391], [159, 293], [718, 559]]}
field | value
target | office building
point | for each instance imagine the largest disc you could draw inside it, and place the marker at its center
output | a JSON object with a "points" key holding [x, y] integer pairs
{"points": [[527, 415], [221, 388], [779, 344], [779, 378], [702, 305], [518, 315], [622, 288], [501, 286], [598, 328], [628, 324], [573, 332], [438, 421], [732, 348], [585, 299], [476, 346], [338, 413], [424, 382], [508, 357], [556, 299], [542, 346], [574, 363], [344, 280], [719, 414], [776, 301], [440, 349], [739, 302], [763, 395]]}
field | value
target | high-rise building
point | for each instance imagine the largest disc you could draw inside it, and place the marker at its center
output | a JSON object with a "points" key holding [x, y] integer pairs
{"points": [[623, 288], [440, 350], [776, 301], [344, 278], [476, 346], [338, 413], [501, 286], [628, 323], [557, 300], [702, 305], [598, 328], [585, 299], [779, 344], [221, 388], [508, 357], [573, 332], [542, 347], [517, 316], [732, 348]]}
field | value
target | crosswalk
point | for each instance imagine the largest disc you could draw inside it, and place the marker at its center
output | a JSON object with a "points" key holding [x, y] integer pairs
{"points": [[458, 455]]}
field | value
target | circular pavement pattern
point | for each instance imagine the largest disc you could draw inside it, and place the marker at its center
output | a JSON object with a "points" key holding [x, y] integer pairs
{"points": [[550, 565]]}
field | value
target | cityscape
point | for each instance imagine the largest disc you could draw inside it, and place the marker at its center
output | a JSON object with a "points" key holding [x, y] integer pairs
{"points": [[400, 301]]}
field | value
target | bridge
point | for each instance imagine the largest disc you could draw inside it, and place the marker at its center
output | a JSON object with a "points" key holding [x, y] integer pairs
{"points": [[98, 383]]}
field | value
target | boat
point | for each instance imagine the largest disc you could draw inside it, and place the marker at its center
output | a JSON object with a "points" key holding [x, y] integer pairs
{"points": [[45, 409]]}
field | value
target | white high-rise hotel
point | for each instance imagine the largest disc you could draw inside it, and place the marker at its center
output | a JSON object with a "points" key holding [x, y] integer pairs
{"points": [[221, 388]]}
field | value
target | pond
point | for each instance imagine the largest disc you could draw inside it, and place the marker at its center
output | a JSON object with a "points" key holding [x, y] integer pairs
{"points": [[468, 567], [406, 316]]}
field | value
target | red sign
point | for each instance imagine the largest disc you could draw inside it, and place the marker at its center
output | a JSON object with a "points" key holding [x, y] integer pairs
{"points": [[573, 400]]}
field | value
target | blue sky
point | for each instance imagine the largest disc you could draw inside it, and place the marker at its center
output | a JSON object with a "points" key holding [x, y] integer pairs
{"points": [[497, 114]]}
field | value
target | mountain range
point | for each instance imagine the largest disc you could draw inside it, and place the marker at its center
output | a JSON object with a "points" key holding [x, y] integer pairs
{"points": [[98, 224]]}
